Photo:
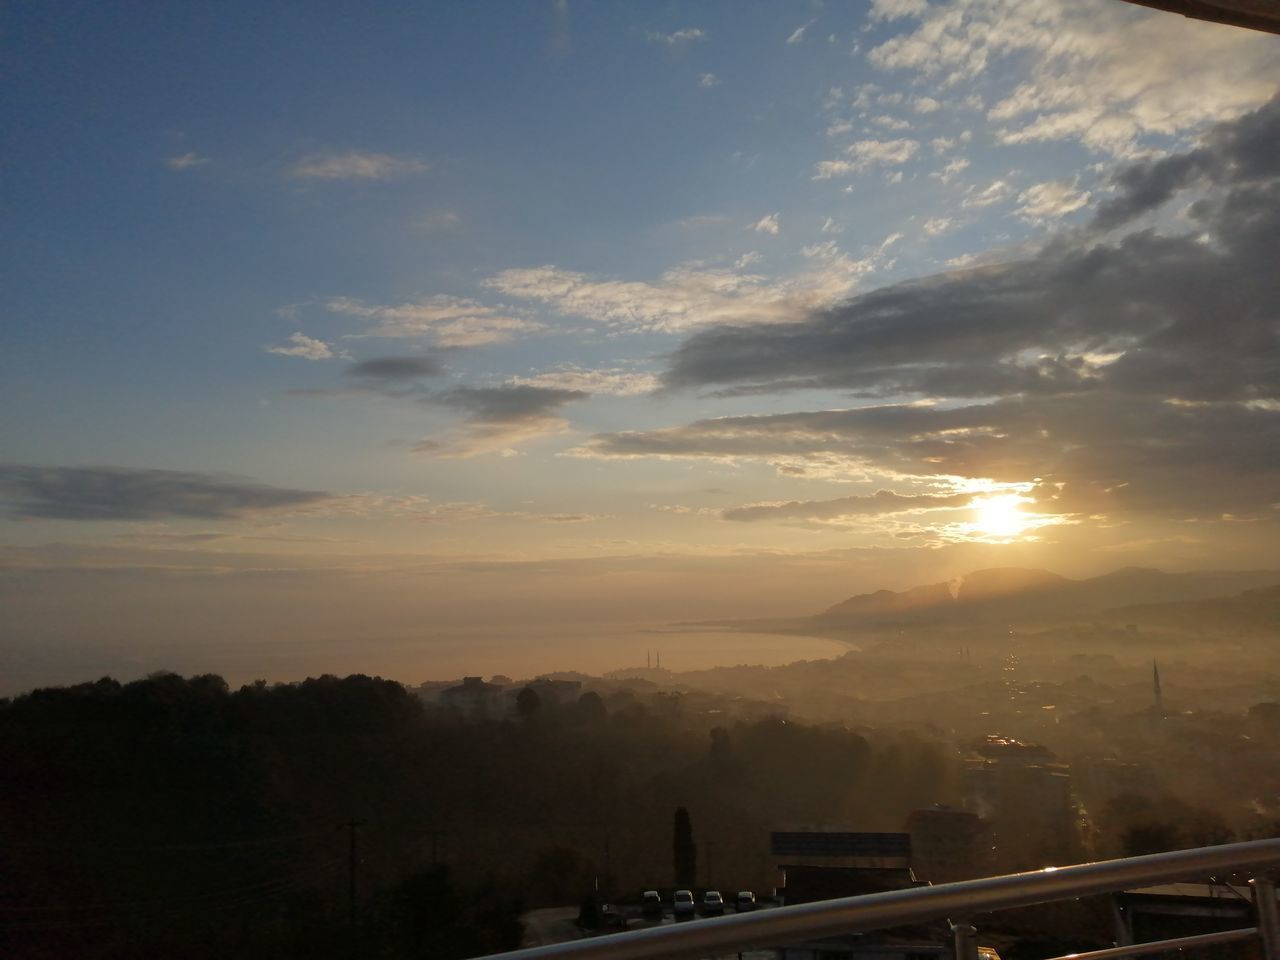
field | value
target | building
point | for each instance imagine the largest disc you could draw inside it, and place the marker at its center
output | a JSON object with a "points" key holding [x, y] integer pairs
{"points": [[1186, 910], [948, 844], [474, 699], [1025, 794], [820, 865]]}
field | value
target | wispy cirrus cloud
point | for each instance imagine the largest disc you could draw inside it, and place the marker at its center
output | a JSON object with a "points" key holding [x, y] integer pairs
{"points": [[185, 161], [767, 224], [880, 502], [356, 165], [606, 381], [797, 35], [677, 37], [448, 321], [688, 297]]}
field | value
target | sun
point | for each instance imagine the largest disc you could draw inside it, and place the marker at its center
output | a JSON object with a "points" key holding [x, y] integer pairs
{"points": [[1001, 516]]}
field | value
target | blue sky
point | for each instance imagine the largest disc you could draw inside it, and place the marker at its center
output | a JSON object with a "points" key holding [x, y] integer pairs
{"points": [[499, 283]]}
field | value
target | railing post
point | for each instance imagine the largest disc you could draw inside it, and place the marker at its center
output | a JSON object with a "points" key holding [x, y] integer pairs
{"points": [[965, 941], [1264, 908]]}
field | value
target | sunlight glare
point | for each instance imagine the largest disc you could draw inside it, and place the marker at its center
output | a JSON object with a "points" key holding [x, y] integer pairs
{"points": [[1001, 516]]}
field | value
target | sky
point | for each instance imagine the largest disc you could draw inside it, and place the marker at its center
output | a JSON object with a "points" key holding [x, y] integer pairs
{"points": [[330, 325]]}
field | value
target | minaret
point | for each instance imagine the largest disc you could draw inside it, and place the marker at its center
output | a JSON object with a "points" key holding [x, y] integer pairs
{"points": [[1155, 678]]}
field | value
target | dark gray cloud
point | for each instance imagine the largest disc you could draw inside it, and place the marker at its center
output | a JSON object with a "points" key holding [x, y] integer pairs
{"points": [[123, 493], [880, 502], [1134, 374], [498, 417], [1237, 152], [1100, 453], [508, 403], [1191, 316], [395, 369]]}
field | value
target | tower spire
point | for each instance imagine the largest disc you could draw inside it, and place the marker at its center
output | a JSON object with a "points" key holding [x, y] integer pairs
{"points": [[1155, 680]]}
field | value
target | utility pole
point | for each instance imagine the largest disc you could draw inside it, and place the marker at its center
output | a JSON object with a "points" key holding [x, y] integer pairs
{"points": [[435, 836], [351, 826]]}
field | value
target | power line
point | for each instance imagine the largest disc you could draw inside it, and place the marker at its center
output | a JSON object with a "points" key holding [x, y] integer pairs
{"points": [[179, 847], [130, 908]]}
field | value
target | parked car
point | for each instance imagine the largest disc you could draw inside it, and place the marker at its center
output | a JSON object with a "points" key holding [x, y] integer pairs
{"points": [[651, 904], [611, 918], [744, 901], [712, 903], [682, 905]]}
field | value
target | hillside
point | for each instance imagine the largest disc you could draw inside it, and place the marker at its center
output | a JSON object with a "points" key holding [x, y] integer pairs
{"points": [[1249, 612], [1017, 595]]}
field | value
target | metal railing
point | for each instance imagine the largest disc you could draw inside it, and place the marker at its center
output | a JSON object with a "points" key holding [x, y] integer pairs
{"points": [[956, 901]]}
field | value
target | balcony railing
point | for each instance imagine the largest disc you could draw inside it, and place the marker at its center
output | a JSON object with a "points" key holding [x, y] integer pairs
{"points": [[957, 902]]}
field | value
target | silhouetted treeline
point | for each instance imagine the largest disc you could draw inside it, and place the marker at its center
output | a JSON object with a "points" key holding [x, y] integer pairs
{"points": [[175, 817]]}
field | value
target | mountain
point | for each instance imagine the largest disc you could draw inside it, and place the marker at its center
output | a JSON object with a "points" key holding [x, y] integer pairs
{"points": [[1017, 595], [1248, 612]]}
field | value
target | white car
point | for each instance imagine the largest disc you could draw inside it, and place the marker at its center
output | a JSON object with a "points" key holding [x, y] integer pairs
{"points": [[712, 903], [682, 905], [651, 904]]}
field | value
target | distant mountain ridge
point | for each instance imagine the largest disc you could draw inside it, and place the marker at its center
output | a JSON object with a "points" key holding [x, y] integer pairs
{"points": [[1250, 610], [1021, 595]]}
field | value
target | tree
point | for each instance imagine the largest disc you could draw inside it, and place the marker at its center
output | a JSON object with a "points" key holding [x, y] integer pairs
{"points": [[528, 702], [721, 753], [684, 852], [591, 708]]}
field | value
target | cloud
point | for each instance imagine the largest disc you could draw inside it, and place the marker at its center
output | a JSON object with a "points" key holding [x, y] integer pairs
{"points": [[608, 381], [936, 226], [687, 297], [897, 9], [124, 493], [925, 105], [994, 192], [955, 166], [700, 221], [1240, 152], [508, 403], [449, 321], [1101, 73], [185, 161], [797, 35], [500, 417], [868, 153], [891, 123], [1136, 375], [880, 502], [444, 220], [767, 224], [395, 369], [354, 165], [300, 345], [1051, 201], [708, 80], [685, 35], [1097, 455]]}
